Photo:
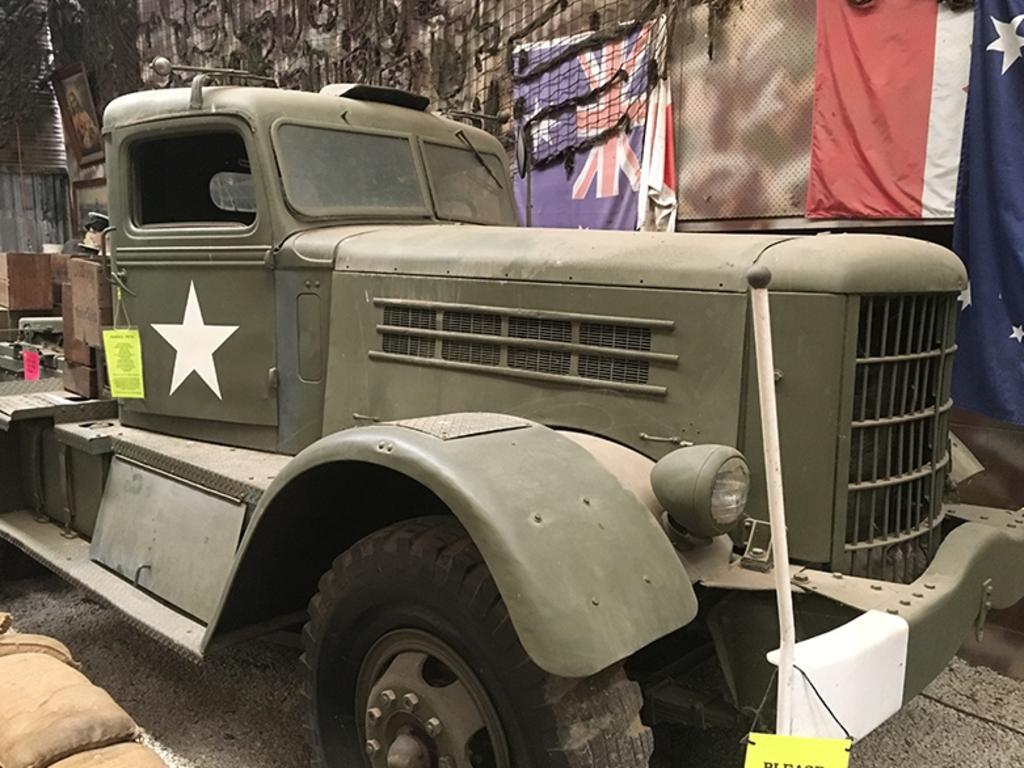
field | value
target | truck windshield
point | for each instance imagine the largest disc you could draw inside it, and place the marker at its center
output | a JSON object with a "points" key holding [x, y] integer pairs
{"points": [[468, 185], [332, 172]]}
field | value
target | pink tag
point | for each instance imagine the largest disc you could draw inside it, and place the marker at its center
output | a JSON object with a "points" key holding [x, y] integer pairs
{"points": [[30, 359]]}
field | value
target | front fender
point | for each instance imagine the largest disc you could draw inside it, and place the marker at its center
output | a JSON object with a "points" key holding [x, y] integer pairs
{"points": [[586, 572]]}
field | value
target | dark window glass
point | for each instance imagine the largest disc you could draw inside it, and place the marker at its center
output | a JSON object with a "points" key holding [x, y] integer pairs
{"points": [[203, 179]]}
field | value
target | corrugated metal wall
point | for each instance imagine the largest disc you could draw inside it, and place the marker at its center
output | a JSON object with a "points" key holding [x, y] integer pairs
{"points": [[33, 164], [38, 147], [32, 210], [41, 149]]}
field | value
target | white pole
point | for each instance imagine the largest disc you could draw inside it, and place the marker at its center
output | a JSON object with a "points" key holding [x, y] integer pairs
{"points": [[758, 279]]}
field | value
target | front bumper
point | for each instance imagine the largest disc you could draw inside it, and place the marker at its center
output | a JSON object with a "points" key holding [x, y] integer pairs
{"points": [[979, 566]]}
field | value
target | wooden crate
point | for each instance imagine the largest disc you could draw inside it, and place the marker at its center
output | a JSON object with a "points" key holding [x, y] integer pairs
{"points": [[81, 379], [25, 281], [75, 350], [58, 275], [91, 300]]}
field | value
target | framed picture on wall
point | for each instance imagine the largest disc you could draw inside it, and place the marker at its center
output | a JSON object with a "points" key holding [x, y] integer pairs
{"points": [[89, 195], [81, 124]]}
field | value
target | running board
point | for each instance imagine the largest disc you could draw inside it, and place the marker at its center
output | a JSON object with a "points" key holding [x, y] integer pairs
{"points": [[68, 557]]}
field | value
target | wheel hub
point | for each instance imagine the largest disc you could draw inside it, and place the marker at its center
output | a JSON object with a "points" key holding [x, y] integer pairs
{"points": [[424, 713], [407, 751]]}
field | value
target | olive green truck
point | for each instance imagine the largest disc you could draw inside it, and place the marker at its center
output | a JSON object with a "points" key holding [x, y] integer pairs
{"points": [[509, 481]]}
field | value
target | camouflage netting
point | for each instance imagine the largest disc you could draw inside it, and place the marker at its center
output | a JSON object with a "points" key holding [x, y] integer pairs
{"points": [[25, 68], [464, 54], [102, 35]]}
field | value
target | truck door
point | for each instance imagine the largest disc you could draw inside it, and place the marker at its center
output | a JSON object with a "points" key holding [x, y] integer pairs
{"points": [[193, 241]]}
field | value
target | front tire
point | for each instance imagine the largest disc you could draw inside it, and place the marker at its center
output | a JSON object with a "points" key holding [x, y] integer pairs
{"points": [[410, 659]]}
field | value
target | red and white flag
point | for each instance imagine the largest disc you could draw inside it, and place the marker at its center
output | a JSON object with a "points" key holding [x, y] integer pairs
{"points": [[889, 97], [656, 207]]}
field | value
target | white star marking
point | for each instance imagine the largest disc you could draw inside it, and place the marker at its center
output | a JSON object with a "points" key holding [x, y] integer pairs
{"points": [[1018, 334], [194, 343], [1009, 42], [965, 298]]}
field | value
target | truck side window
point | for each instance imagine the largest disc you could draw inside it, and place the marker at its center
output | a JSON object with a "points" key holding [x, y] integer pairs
{"points": [[194, 180]]}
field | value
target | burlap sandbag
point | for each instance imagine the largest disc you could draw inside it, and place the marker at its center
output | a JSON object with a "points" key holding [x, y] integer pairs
{"points": [[13, 643], [117, 756], [49, 711]]}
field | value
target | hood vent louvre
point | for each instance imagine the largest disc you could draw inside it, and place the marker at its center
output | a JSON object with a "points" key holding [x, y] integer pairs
{"points": [[540, 345]]}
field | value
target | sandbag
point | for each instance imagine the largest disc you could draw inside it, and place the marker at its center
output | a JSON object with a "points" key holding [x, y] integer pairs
{"points": [[49, 711], [118, 756], [13, 643]]}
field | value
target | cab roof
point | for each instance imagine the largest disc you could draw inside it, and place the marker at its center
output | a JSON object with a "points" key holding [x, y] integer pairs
{"points": [[261, 107]]}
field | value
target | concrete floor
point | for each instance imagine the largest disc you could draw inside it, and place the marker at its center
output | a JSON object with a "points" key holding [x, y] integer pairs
{"points": [[241, 709]]}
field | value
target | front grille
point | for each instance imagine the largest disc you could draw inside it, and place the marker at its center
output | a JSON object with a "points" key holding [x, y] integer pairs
{"points": [[899, 437]]}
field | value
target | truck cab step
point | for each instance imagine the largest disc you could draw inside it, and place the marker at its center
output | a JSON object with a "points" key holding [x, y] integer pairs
{"points": [[68, 557], [240, 473]]}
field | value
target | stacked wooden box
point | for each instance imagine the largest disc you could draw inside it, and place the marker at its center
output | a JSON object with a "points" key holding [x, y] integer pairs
{"points": [[25, 287], [26, 282], [86, 307]]}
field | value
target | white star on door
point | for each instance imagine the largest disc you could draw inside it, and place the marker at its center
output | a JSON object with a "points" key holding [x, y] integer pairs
{"points": [[194, 343]]}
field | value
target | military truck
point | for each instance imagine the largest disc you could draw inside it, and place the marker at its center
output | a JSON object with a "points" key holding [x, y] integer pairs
{"points": [[509, 481]]}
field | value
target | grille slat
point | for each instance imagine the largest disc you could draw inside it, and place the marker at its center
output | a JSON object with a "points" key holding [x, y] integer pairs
{"points": [[898, 454]]}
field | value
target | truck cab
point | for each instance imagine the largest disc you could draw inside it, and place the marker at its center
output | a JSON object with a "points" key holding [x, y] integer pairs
{"points": [[234, 327], [508, 481]]}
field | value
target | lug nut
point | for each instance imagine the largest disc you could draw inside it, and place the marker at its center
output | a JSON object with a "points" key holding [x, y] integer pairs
{"points": [[372, 747], [373, 715], [387, 698], [410, 701], [433, 727]]}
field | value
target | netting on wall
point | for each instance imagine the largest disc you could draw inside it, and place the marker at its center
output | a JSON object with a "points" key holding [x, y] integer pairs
{"points": [[102, 35], [24, 61], [580, 73], [470, 56], [743, 109]]}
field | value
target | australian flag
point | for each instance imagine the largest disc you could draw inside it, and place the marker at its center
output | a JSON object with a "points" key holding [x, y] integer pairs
{"points": [[585, 95], [988, 234]]}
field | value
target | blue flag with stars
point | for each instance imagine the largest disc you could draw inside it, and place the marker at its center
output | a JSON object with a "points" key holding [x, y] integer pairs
{"points": [[988, 231]]}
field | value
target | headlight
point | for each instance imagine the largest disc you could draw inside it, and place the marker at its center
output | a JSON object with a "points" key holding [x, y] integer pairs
{"points": [[703, 488]]}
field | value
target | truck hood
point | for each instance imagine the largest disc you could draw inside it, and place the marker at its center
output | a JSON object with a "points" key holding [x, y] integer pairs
{"points": [[827, 263]]}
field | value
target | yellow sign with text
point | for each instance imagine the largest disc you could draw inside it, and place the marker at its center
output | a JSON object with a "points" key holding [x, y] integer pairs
{"points": [[123, 351], [766, 750]]}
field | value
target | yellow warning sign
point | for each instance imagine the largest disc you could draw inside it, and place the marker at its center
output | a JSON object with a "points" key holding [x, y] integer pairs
{"points": [[123, 350], [766, 750]]}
